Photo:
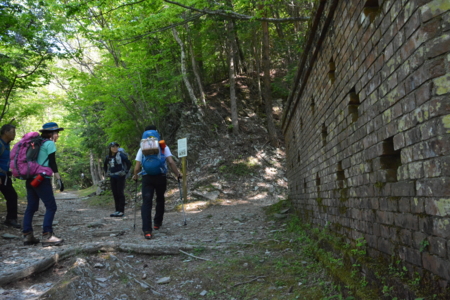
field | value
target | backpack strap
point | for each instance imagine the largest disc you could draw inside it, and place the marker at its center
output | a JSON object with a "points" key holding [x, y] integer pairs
{"points": [[3, 148], [43, 142], [123, 172]]}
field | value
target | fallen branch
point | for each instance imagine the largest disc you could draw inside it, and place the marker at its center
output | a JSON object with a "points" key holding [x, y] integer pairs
{"points": [[194, 255], [91, 248], [254, 279]]}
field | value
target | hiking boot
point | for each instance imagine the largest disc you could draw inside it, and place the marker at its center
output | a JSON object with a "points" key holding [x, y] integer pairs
{"points": [[148, 235], [120, 214], [50, 239], [29, 239], [156, 227], [114, 214], [12, 223]]}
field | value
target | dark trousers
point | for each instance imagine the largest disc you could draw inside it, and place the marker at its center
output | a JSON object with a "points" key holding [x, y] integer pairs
{"points": [[117, 188], [10, 195], [44, 192], [151, 185]]}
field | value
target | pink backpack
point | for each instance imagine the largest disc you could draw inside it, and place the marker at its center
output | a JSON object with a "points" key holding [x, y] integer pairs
{"points": [[23, 157]]}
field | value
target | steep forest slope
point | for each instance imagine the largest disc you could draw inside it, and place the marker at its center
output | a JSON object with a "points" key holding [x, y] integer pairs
{"points": [[241, 164]]}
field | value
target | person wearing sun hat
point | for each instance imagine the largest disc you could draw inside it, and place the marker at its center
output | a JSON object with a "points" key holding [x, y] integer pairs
{"points": [[116, 166], [44, 191]]}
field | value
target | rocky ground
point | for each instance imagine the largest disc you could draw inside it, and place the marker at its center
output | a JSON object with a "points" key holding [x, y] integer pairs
{"points": [[222, 252], [108, 258]]}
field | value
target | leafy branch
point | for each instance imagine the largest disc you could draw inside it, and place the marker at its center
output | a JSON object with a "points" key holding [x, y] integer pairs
{"points": [[237, 16]]}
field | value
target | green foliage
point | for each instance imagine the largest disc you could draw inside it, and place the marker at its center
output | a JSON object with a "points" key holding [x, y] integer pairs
{"points": [[415, 281], [360, 247], [199, 250], [424, 245], [237, 169], [26, 47], [280, 205], [346, 261], [280, 88], [118, 67], [379, 184], [104, 200], [19, 186], [395, 269], [85, 192]]}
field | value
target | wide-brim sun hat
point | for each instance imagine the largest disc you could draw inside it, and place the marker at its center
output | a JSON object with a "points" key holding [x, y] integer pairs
{"points": [[51, 126]]}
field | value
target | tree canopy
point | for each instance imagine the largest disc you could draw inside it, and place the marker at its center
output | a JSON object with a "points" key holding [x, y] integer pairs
{"points": [[111, 67]]}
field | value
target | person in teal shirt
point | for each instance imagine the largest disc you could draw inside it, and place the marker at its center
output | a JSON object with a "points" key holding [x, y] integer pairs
{"points": [[44, 191]]}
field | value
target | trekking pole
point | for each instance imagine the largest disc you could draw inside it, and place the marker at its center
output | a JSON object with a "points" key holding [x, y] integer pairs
{"points": [[135, 207], [182, 202]]}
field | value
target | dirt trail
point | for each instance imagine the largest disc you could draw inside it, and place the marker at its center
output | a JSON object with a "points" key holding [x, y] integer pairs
{"points": [[90, 229]]}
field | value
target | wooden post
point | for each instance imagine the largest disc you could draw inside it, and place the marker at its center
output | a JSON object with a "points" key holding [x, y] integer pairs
{"points": [[183, 170]]}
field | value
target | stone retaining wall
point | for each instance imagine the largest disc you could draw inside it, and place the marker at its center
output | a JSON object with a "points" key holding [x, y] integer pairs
{"points": [[367, 128]]}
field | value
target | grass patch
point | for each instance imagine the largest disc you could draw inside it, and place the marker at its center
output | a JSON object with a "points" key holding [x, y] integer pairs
{"points": [[239, 168], [268, 270], [277, 207], [86, 192], [104, 200]]}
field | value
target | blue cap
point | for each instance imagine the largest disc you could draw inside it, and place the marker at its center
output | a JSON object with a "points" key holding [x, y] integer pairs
{"points": [[51, 126]]}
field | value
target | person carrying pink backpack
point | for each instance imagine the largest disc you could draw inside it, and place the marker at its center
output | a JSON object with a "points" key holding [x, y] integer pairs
{"points": [[43, 190]]}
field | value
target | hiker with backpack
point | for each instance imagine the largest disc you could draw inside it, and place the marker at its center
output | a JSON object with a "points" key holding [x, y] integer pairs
{"points": [[151, 163], [33, 159], [7, 134], [116, 166], [128, 176]]}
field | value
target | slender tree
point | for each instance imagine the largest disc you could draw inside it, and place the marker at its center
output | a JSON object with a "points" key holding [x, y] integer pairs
{"points": [[232, 76]]}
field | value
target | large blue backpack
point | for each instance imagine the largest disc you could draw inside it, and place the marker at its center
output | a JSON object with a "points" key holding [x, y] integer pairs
{"points": [[153, 159]]}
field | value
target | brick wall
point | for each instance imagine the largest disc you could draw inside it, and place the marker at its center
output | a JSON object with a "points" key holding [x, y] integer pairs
{"points": [[367, 128]]}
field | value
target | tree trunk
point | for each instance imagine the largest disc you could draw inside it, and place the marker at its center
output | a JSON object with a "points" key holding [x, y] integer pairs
{"points": [[258, 72], [99, 166], [240, 59], [278, 25], [8, 93], [93, 168], [231, 71], [198, 46], [196, 71], [281, 35], [184, 72], [267, 88]]}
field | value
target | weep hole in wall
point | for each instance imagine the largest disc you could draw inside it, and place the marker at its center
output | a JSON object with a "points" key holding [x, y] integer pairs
{"points": [[389, 162], [324, 135], [331, 72], [371, 9], [353, 105]]}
